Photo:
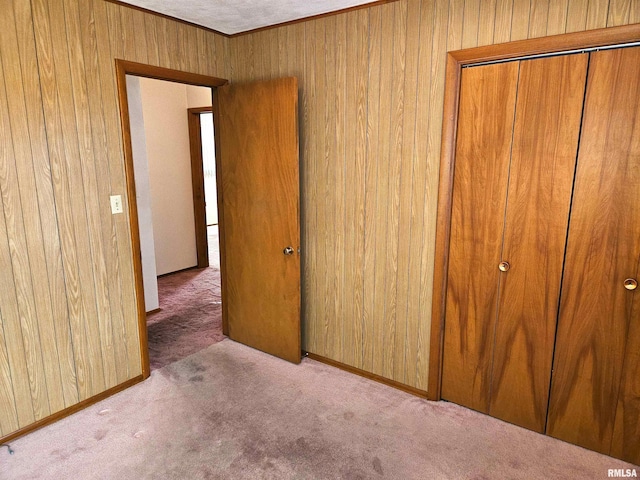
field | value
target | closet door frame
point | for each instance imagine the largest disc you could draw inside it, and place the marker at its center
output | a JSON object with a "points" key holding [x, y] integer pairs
{"points": [[455, 62]]}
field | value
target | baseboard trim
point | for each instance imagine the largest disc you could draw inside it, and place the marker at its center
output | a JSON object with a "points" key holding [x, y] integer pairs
{"points": [[155, 310], [195, 267], [371, 376], [70, 410]]}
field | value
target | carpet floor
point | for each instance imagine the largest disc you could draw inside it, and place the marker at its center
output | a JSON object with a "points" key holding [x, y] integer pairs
{"points": [[190, 316], [231, 412]]}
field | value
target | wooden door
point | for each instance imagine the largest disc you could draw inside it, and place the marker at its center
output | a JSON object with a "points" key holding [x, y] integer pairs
{"points": [[485, 125], [543, 159], [257, 141], [518, 129], [595, 400]]}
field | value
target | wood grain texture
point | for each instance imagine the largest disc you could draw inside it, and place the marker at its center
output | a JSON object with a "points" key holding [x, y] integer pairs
{"points": [[370, 313], [626, 430], [371, 54], [355, 123], [603, 248], [383, 179], [543, 158], [68, 309], [258, 136], [483, 154]]}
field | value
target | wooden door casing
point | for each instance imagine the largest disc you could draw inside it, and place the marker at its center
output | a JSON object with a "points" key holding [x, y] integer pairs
{"points": [[594, 334], [545, 144], [257, 138], [488, 94]]}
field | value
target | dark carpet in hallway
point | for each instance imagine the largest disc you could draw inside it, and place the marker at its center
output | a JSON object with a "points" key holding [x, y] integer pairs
{"points": [[190, 316]]}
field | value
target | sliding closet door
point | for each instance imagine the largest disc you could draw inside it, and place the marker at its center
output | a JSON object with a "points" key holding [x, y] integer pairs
{"points": [[545, 144], [485, 126], [595, 389]]}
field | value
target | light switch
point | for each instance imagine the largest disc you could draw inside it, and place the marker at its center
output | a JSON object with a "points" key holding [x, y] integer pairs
{"points": [[116, 204]]}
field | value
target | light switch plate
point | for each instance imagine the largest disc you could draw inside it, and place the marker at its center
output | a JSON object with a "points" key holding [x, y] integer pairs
{"points": [[116, 204]]}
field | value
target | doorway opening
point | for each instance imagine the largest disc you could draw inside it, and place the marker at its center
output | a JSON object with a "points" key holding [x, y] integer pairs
{"points": [[176, 254]]}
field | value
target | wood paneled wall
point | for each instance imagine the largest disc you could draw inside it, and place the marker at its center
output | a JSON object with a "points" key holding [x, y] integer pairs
{"points": [[371, 84], [68, 314]]}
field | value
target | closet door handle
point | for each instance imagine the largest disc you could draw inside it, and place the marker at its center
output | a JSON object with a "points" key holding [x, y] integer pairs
{"points": [[630, 284], [504, 266]]}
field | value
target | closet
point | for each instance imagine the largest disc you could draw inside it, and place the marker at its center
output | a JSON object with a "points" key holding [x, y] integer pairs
{"points": [[542, 325]]}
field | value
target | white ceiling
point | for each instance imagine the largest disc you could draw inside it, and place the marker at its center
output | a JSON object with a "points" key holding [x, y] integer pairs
{"points": [[236, 16]]}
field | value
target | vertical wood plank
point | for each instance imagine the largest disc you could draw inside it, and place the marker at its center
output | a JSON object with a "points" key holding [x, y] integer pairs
{"points": [[8, 413], [164, 57], [152, 40], [380, 342], [471, 23], [320, 177], [371, 175], [192, 55], [577, 15], [328, 230], [138, 34], [597, 14], [620, 12], [502, 29], [539, 18], [405, 225], [221, 54], [282, 51], [456, 22], [520, 19], [390, 330], [557, 17], [634, 13], [309, 191], [339, 246], [355, 122], [182, 46], [487, 22]]}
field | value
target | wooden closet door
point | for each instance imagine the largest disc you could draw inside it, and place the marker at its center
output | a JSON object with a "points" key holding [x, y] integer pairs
{"points": [[596, 361], [485, 126], [545, 145]]}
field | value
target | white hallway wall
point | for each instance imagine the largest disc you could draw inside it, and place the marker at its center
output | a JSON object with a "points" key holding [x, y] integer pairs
{"points": [[164, 106], [143, 193], [160, 138]]}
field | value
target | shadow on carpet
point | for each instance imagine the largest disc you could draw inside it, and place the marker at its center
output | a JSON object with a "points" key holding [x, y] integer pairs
{"points": [[190, 316]]}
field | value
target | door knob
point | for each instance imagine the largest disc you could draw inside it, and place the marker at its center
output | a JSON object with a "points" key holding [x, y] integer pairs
{"points": [[288, 251], [504, 266], [630, 284]]}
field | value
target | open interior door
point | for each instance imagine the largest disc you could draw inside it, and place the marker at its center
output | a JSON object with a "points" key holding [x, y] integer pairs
{"points": [[257, 150]]}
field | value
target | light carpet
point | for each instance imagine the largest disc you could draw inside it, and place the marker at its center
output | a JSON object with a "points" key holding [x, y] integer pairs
{"points": [[231, 412]]}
